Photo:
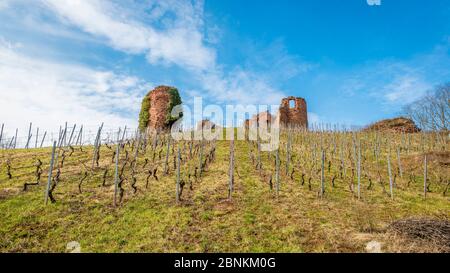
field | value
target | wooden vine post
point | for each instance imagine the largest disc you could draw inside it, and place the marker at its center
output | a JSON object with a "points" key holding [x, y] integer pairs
{"points": [[96, 144], [15, 139], [178, 175], [65, 135], [341, 152], [288, 151], [124, 133], [166, 162], [355, 159], [116, 174], [79, 138], [200, 167], [29, 137], [1, 133], [231, 174], [400, 170], [277, 172], [390, 176], [258, 144], [322, 175], [359, 170], [37, 138], [43, 139], [71, 134], [425, 177]]}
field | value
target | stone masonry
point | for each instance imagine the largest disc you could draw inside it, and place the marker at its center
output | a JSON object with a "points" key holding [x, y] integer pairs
{"points": [[205, 125], [159, 104], [296, 116], [263, 119]]}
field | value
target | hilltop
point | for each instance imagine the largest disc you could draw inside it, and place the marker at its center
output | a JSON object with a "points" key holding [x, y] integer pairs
{"points": [[263, 216], [398, 125]]}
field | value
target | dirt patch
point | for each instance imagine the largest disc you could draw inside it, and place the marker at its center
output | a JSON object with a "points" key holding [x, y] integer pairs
{"points": [[434, 158], [224, 206], [7, 192], [441, 158]]}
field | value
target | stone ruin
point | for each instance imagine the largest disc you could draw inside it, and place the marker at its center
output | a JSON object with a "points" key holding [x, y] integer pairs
{"points": [[263, 119], [206, 125], [396, 125], [156, 108], [295, 116], [158, 103]]}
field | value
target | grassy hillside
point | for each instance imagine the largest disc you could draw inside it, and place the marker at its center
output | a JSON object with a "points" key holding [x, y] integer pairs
{"points": [[256, 220]]}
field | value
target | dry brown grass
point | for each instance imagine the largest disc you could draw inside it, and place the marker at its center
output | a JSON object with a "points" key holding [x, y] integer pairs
{"points": [[256, 220], [433, 233]]}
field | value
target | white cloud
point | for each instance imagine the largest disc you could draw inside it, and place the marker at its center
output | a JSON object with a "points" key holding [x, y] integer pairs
{"points": [[397, 82], [405, 89], [48, 93], [179, 40], [4, 4], [9, 45], [179, 43], [313, 118], [275, 61], [352, 85], [92, 17], [240, 86]]}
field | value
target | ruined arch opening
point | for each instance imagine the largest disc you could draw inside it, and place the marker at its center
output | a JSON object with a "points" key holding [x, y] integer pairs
{"points": [[291, 104], [293, 112]]}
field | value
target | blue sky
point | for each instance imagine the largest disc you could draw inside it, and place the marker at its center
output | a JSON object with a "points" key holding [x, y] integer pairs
{"points": [[92, 61]]}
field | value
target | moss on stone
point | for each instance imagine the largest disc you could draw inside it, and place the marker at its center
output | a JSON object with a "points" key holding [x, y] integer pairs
{"points": [[144, 115], [174, 100]]}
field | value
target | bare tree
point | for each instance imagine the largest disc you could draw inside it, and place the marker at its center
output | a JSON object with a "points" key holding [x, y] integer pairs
{"points": [[432, 111]]}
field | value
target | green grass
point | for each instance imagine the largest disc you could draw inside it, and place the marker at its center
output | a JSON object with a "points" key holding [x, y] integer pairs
{"points": [[150, 221]]}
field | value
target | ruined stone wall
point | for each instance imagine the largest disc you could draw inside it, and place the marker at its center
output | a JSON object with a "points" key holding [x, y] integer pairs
{"points": [[159, 104], [398, 125], [296, 116], [205, 124], [263, 119]]}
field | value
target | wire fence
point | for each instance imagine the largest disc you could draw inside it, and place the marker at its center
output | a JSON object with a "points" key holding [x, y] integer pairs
{"points": [[87, 135], [66, 135]]}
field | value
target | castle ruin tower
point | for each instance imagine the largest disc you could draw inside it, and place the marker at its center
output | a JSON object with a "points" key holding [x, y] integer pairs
{"points": [[156, 109], [293, 113]]}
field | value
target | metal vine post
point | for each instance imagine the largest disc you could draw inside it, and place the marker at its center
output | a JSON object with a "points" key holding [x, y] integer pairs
{"points": [[49, 181]]}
